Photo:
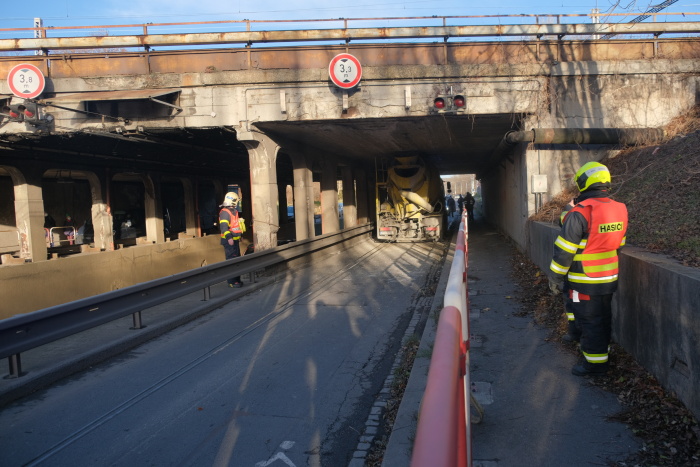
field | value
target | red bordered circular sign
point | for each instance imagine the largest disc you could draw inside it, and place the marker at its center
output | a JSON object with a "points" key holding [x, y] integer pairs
{"points": [[345, 71], [26, 81]]}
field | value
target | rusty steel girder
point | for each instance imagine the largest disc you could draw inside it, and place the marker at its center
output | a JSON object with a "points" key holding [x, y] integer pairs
{"points": [[344, 34]]}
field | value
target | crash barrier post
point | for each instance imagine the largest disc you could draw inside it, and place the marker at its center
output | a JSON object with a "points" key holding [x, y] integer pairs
{"points": [[444, 428]]}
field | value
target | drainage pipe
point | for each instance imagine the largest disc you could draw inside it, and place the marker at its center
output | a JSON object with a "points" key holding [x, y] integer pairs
{"points": [[624, 136]]}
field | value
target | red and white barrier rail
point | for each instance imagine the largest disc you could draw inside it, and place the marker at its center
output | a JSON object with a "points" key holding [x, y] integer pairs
{"points": [[443, 438]]}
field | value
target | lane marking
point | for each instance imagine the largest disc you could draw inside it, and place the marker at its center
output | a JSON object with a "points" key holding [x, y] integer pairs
{"points": [[286, 445]]}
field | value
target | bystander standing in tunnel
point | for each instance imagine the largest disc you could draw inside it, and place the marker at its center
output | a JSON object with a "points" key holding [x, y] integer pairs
{"points": [[585, 263], [231, 227], [469, 202], [451, 206]]}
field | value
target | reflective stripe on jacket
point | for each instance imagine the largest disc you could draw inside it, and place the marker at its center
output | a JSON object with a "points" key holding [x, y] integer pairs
{"points": [[229, 224], [585, 252]]}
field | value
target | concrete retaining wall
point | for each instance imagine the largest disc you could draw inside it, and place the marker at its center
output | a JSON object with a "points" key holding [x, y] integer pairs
{"points": [[30, 287], [656, 313]]}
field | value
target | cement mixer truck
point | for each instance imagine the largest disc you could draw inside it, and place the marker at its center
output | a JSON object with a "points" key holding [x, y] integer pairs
{"points": [[410, 200]]}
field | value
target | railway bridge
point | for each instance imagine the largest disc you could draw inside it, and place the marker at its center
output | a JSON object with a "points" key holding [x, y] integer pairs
{"points": [[173, 119]]}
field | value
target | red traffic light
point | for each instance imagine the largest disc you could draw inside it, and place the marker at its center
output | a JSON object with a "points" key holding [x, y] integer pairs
{"points": [[10, 111], [459, 101], [26, 111], [439, 103]]}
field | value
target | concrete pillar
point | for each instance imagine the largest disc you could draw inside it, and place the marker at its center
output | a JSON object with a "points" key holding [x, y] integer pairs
{"points": [[153, 205], [329, 196], [363, 200], [191, 227], [303, 198], [281, 200], [101, 216], [262, 152], [349, 199], [29, 213]]}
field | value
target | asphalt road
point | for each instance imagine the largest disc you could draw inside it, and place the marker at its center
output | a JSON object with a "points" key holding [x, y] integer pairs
{"points": [[283, 376]]}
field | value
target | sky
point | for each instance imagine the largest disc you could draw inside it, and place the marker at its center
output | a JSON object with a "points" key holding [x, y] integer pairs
{"points": [[18, 14]]}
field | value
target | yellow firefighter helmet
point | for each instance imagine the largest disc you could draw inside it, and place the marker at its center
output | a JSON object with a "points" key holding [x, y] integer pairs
{"points": [[231, 199]]}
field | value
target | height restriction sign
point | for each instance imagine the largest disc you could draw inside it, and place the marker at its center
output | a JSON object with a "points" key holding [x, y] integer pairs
{"points": [[26, 81], [345, 71]]}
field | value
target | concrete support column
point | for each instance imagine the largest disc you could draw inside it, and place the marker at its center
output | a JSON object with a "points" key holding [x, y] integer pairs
{"points": [[262, 152], [29, 213], [363, 208], [101, 215], [329, 196], [191, 228], [153, 205], [349, 199], [281, 200], [303, 198]]}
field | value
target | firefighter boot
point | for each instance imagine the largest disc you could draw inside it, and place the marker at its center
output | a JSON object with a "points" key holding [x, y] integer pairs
{"points": [[585, 369]]}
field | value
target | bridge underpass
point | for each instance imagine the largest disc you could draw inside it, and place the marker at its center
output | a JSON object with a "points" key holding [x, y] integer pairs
{"points": [[267, 117], [451, 142], [626, 84], [278, 100]]}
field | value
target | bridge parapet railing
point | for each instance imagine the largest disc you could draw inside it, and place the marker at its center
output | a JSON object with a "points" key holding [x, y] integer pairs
{"points": [[247, 32], [443, 437]]}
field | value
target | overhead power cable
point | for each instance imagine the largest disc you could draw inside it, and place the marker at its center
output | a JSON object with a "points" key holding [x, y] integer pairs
{"points": [[646, 15]]}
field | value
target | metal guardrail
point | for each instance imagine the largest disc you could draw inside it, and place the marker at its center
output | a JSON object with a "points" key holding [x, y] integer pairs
{"points": [[303, 24], [443, 437], [441, 27], [27, 331], [70, 237]]}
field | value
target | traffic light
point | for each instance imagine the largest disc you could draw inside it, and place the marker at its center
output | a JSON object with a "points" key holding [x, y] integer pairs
{"points": [[450, 103], [12, 111], [27, 111]]}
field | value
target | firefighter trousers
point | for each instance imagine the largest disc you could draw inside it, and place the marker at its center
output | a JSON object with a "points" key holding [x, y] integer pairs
{"points": [[573, 331], [593, 315], [232, 251]]}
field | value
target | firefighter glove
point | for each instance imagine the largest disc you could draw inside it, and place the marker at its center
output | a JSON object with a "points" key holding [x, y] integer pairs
{"points": [[556, 285]]}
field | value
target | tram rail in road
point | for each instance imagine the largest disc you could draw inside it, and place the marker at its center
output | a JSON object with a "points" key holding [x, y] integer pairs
{"points": [[28, 331]]}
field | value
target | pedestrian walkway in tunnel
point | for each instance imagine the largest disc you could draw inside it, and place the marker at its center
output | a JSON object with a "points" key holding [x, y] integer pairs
{"points": [[535, 412]]}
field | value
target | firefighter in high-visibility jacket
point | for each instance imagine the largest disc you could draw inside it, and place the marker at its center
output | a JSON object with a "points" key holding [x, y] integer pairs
{"points": [[585, 263], [232, 227]]}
